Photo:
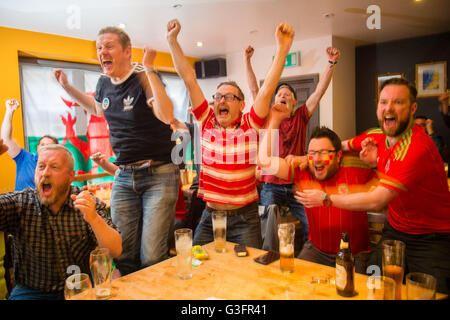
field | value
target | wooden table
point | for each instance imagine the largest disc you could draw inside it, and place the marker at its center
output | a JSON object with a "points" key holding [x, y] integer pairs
{"points": [[226, 276]]}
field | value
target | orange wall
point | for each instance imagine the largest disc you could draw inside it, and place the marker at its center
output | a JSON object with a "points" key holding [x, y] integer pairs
{"points": [[17, 43]]}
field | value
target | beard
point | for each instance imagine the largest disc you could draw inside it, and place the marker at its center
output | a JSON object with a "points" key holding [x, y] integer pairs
{"points": [[58, 191], [330, 171], [401, 126]]}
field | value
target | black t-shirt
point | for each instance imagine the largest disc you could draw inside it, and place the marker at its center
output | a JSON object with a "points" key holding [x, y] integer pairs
{"points": [[134, 131]]}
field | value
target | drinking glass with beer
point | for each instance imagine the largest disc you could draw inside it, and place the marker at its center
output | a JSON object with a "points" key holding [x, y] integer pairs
{"points": [[219, 222], [286, 235], [92, 186], [393, 259], [380, 288]]}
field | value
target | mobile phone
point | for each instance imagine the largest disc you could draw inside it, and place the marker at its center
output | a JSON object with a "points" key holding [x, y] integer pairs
{"points": [[268, 257], [240, 250]]}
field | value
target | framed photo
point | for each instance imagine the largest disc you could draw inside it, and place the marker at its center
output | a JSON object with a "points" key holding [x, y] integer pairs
{"points": [[431, 78], [383, 77]]}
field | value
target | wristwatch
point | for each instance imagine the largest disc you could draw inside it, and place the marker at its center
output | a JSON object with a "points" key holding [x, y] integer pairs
{"points": [[327, 200]]}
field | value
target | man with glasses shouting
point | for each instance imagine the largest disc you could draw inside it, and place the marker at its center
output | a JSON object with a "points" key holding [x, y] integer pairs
{"points": [[229, 141], [328, 170]]}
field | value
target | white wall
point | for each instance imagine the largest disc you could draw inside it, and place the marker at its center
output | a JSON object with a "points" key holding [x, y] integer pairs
{"points": [[337, 107], [344, 98]]}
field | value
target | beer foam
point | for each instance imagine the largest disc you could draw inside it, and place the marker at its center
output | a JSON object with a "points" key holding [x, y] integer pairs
{"points": [[287, 249]]}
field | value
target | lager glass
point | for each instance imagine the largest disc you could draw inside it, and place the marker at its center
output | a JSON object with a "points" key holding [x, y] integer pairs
{"points": [[393, 259], [219, 222], [286, 234]]}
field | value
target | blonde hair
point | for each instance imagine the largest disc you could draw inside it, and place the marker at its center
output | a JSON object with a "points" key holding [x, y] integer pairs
{"points": [[124, 39], [70, 158]]}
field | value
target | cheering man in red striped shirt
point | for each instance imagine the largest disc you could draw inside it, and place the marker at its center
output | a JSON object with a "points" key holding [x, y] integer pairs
{"points": [[229, 141]]}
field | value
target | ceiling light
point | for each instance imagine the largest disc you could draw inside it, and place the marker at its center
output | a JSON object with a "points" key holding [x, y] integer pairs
{"points": [[121, 25], [199, 44]]}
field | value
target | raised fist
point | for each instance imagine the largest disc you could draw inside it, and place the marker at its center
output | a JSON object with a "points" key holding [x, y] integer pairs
{"points": [[149, 57], [173, 28], [333, 54], [12, 104]]}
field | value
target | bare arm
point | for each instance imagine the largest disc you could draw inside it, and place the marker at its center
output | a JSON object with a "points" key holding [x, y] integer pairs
{"points": [[314, 99], [83, 99], [284, 35], [103, 163], [344, 145], [106, 236], [251, 78], [271, 164], [376, 200], [184, 69], [3, 147], [162, 104], [13, 148]]}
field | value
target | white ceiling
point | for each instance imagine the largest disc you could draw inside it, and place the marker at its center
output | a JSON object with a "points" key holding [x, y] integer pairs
{"points": [[226, 26]]}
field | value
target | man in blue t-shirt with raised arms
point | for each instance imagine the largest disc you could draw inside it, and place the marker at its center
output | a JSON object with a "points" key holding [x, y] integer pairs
{"points": [[138, 110], [25, 160]]}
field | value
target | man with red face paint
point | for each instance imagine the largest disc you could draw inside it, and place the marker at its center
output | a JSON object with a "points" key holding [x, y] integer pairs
{"points": [[329, 171]]}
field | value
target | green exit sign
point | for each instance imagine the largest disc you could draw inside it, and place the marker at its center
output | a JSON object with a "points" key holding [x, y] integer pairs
{"points": [[292, 59]]}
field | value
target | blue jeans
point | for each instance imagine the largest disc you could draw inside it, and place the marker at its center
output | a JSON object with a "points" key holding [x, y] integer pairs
{"points": [[143, 207], [283, 195], [25, 293], [242, 228]]}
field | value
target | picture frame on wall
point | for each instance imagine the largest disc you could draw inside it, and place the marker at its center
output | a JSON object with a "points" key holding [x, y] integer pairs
{"points": [[380, 78], [431, 79]]}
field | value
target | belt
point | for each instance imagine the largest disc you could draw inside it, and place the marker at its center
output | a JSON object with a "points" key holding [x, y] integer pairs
{"points": [[142, 164], [233, 212]]}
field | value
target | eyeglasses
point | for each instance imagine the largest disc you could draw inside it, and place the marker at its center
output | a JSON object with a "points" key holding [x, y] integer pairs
{"points": [[228, 97], [322, 153]]}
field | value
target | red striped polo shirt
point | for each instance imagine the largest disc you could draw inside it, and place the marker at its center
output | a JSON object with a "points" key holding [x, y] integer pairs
{"points": [[227, 174]]}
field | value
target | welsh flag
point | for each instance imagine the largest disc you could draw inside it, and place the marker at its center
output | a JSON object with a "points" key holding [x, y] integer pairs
{"points": [[48, 109]]}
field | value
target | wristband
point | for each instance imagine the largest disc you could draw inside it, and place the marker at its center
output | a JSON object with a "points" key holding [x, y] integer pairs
{"points": [[331, 62], [327, 200]]}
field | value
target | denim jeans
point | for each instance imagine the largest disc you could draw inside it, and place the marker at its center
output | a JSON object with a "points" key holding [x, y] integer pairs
{"points": [[143, 207], [242, 228], [283, 195], [20, 292]]}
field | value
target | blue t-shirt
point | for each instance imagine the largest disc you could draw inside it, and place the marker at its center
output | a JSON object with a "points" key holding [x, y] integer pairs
{"points": [[25, 167]]}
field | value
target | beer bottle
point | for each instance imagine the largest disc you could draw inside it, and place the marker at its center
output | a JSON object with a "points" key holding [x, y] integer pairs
{"points": [[345, 270]]}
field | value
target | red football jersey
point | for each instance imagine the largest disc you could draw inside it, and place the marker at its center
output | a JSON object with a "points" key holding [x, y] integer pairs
{"points": [[414, 169], [326, 224]]}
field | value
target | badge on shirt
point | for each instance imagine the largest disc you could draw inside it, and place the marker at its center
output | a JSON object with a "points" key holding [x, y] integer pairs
{"points": [[127, 103], [343, 189], [105, 103]]}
